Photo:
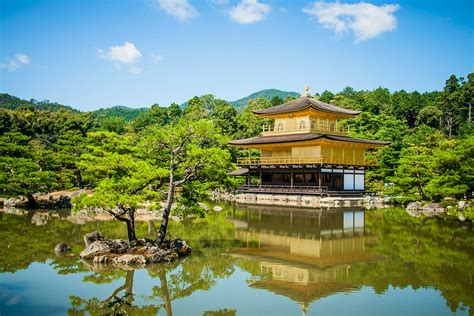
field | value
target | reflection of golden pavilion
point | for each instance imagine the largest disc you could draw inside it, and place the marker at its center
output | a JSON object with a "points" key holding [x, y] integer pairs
{"points": [[302, 255]]}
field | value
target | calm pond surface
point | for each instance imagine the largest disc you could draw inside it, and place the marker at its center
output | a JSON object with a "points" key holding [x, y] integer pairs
{"points": [[247, 260]]}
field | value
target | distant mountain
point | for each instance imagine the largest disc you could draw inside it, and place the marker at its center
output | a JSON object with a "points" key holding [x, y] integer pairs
{"points": [[266, 94], [128, 114], [11, 102]]}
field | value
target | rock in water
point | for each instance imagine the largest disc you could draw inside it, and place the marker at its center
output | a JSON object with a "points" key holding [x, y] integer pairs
{"points": [[19, 201], [180, 247], [104, 246], [139, 252], [217, 208], [91, 237], [62, 247], [413, 206], [129, 259]]}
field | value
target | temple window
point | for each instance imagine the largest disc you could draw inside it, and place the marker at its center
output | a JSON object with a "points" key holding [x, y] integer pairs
{"points": [[332, 127], [280, 127], [302, 125], [313, 124]]}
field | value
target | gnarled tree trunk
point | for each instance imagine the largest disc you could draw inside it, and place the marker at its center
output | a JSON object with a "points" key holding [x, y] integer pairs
{"points": [[129, 220], [167, 210]]}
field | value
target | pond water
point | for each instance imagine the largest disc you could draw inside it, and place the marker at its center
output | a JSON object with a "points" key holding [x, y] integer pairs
{"points": [[246, 260]]}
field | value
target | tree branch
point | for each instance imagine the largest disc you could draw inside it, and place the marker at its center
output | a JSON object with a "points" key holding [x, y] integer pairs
{"points": [[188, 175], [118, 216], [147, 184]]}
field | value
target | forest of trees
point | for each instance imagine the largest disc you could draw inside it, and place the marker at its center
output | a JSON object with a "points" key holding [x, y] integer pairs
{"points": [[46, 147]]}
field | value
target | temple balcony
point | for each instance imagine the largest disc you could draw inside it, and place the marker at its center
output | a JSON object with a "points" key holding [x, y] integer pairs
{"points": [[290, 160], [322, 128]]}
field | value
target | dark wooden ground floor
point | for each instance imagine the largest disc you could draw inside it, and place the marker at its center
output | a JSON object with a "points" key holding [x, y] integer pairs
{"points": [[306, 179]]}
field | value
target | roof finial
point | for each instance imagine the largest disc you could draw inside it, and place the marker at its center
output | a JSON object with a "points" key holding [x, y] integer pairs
{"points": [[307, 94]]}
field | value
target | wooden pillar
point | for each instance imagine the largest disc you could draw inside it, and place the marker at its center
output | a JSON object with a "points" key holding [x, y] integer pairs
{"points": [[260, 175], [248, 177], [320, 180], [291, 177]]}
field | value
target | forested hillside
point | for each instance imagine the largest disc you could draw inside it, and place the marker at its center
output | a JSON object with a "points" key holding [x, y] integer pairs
{"points": [[265, 94], [431, 155], [10, 102]]}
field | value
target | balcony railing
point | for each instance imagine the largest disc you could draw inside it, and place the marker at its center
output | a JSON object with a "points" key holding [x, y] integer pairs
{"points": [[288, 160], [322, 127], [283, 189]]}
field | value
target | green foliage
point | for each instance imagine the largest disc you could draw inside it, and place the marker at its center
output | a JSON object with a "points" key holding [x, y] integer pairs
{"points": [[123, 112], [113, 165], [10, 102], [267, 94], [114, 124], [21, 168], [48, 146]]}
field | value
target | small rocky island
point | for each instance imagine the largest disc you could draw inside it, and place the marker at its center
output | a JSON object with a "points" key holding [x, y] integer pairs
{"points": [[118, 252]]}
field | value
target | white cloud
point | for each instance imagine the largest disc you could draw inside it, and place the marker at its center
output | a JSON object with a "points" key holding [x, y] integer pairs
{"points": [[127, 54], [157, 58], [249, 11], [180, 9], [16, 62], [22, 58], [366, 20]]}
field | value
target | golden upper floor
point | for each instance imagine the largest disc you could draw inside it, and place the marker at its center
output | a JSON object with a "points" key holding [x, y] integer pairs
{"points": [[304, 115]]}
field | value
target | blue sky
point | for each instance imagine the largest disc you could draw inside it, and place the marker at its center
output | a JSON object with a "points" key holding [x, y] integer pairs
{"points": [[92, 54]]}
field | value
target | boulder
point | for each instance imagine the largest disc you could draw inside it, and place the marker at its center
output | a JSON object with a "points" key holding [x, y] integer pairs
{"points": [[413, 206], [217, 208], [161, 255], [19, 201], [180, 247], [61, 247], [91, 237], [104, 246], [203, 206], [58, 199], [139, 252], [129, 259]]}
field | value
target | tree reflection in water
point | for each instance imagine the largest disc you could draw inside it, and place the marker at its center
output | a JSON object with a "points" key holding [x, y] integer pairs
{"points": [[120, 302], [308, 255], [301, 254]]}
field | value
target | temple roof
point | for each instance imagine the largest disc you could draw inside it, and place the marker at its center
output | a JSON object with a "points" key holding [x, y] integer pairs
{"points": [[304, 293], [260, 140], [302, 103]]}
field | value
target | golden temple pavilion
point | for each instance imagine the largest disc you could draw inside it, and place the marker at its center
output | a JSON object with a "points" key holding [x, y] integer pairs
{"points": [[305, 150]]}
